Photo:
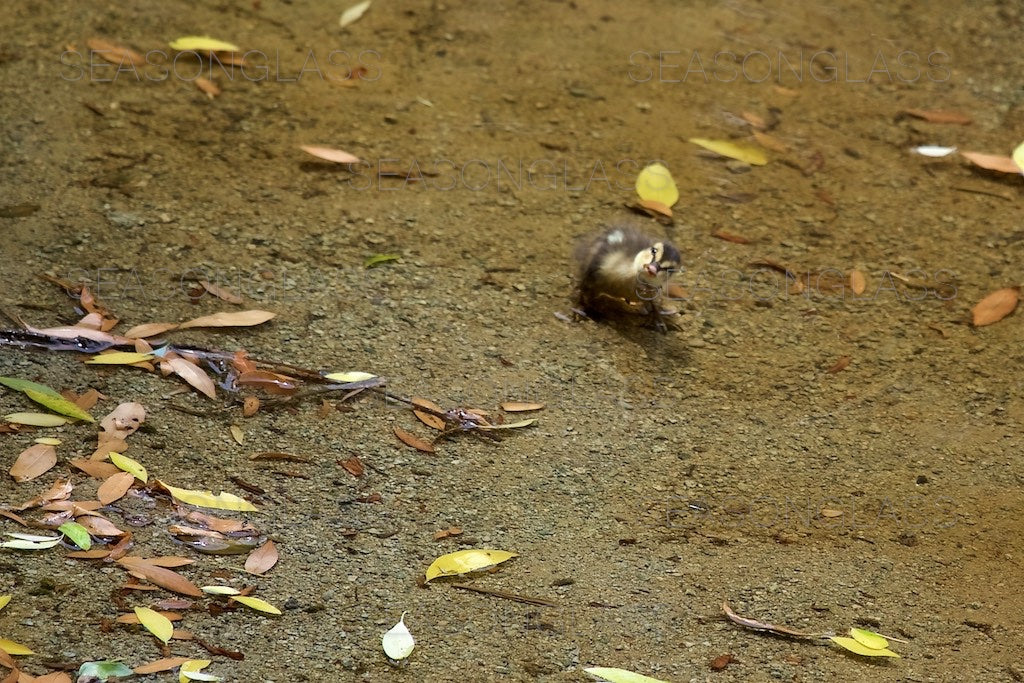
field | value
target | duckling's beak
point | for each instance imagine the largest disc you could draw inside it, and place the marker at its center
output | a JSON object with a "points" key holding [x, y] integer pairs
{"points": [[652, 268]]}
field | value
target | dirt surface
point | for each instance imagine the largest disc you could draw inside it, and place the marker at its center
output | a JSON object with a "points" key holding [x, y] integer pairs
{"points": [[667, 473]]}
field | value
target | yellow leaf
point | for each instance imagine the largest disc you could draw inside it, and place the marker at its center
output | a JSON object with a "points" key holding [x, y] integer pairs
{"points": [[203, 44], [59, 404], [256, 604], [13, 648], [206, 499], [189, 671], [511, 425], [734, 150], [120, 358], [1018, 156], [859, 648], [654, 183], [156, 623], [133, 467], [219, 590], [4, 599], [465, 561], [351, 376], [47, 440], [612, 675], [37, 419], [875, 641]]}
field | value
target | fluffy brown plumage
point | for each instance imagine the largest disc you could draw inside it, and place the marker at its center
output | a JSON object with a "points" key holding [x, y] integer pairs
{"points": [[624, 265]]}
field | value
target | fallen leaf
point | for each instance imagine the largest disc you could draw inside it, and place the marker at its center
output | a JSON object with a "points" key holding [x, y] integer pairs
{"points": [[412, 440], [510, 425], [220, 590], [114, 53], [656, 207], [124, 420], [13, 648], [841, 363], [115, 487], [398, 642], [858, 283], [734, 150], [94, 468], [350, 376], [203, 44], [126, 464], [159, 665], [59, 490], [255, 603], [250, 406], [270, 382], [378, 259], [207, 86], [190, 671], [353, 13], [237, 434], [829, 512], [520, 406], [119, 358], [447, 533], [156, 623], [720, 662], [37, 419], [77, 533], [859, 648], [613, 675], [224, 501], [99, 526], [465, 561], [1018, 155], [655, 183], [995, 306], [194, 375], [222, 319], [330, 154], [353, 465], [933, 151], [58, 404], [221, 292], [33, 461], [771, 142], [261, 560], [940, 116], [160, 576], [992, 162]]}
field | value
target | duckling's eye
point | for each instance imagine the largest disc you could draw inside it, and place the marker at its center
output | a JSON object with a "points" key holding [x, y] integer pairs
{"points": [[654, 254]]}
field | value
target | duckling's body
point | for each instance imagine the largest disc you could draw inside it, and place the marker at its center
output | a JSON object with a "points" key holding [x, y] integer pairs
{"points": [[626, 265]]}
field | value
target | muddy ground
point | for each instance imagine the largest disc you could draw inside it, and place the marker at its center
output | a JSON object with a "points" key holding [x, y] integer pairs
{"points": [[666, 473]]}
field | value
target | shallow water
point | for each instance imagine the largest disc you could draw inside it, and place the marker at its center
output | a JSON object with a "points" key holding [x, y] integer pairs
{"points": [[730, 459]]}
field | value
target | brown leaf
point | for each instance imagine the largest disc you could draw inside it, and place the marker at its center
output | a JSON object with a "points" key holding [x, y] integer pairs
{"points": [[279, 456], [221, 292], [150, 329], [992, 162], [170, 561], [250, 406], [840, 364], [107, 443], [115, 487], [520, 406], [13, 517], [940, 116], [353, 466], [94, 554], [330, 154], [270, 382], [230, 319], [165, 578], [858, 283], [34, 461], [159, 665], [221, 524], [446, 533], [123, 420], [194, 375], [720, 662], [262, 559], [60, 490], [413, 440], [656, 207], [114, 53], [55, 677], [99, 526], [428, 418], [207, 86], [771, 142], [730, 237], [995, 306], [95, 468]]}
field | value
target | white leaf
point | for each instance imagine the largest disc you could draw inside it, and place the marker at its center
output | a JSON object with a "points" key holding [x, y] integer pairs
{"points": [[933, 151], [398, 642], [32, 537], [353, 13]]}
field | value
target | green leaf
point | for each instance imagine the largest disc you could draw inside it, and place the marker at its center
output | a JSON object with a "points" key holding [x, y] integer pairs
{"points": [[77, 533], [37, 419], [859, 648], [133, 467], [25, 385], [378, 259], [59, 404], [103, 670]]}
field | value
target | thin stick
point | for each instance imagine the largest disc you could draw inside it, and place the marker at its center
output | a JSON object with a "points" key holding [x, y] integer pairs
{"points": [[541, 602]]}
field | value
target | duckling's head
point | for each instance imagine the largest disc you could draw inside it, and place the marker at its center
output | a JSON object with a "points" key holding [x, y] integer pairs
{"points": [[656, 264]]}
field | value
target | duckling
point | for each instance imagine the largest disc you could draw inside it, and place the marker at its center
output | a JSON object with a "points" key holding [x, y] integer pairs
{"points": [[625, 264]]}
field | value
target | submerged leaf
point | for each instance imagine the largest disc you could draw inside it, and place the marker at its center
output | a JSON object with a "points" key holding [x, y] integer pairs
{"points": [[465, 561], [165, 664], [77, 533], [992, 162], [261, 560], [398, 642], [655, 183], [613, 675], [220, 590], [156, 623], [410, 439], [206, 499], [203, 44], [859, 648], [194, 375], [511, 425], [750, 154], [114, 488], [190, 671], [256, 604]]}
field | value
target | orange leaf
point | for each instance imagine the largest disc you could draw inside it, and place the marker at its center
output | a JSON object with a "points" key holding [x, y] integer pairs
{"points": [[353, 465], [992, 162], [165, 578], [262, 559], [413, 440], [34, 461], [858, 283], [940, 116], [114, 53], [330, 154], [99, 526], [995, 306], [159, 665], [207, 86], [115, 487]]}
